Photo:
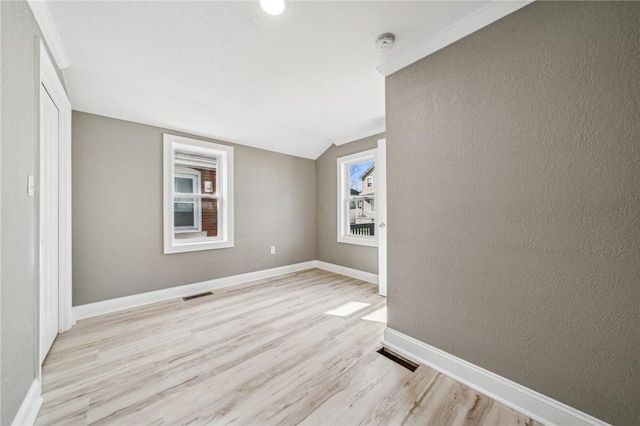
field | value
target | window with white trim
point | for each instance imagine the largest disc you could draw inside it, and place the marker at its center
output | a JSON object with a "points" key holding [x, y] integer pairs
{"points": [[356, 199], [198, 195]]}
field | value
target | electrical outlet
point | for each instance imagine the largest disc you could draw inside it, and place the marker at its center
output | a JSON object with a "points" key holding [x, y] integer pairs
{"points": [[273, 249]]}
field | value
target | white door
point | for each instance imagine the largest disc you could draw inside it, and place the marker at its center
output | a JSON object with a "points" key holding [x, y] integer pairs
{"points": [[382, 216], [49, 221]]}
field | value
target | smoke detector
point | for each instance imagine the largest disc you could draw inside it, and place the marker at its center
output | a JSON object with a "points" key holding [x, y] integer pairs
{"points": [[384, 42]]}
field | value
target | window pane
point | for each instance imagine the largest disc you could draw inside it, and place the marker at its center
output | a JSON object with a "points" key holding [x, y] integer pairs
{"points": [[358, 175], [362, 219], [184, 185], [198, 195], [356, 196], [202, 166], [362, 188], [184, 215], [195, 174], [210, 217]]}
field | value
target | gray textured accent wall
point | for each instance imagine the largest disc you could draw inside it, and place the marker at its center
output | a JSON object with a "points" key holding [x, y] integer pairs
{"points": [[514, 202], [19, 87], [117, 213], [329, 249]]}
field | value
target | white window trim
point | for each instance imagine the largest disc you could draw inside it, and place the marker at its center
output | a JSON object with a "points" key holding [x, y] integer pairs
{"points": [[343, 192], [224, 181], [369, 181]]}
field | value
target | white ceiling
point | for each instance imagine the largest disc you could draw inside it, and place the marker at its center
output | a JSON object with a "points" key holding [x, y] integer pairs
{"points": [[294, 83]]}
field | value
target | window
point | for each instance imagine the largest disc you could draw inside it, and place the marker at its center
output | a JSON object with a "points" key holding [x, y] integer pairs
{"points": [[198, 195], [186, 209], [356, 199]]}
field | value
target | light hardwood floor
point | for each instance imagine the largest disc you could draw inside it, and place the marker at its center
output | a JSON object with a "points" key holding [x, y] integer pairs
{"points": [[272, 352]]}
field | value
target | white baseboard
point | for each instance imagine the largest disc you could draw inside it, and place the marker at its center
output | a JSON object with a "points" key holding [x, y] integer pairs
{"points": [[348, 272], [28, 411], [522, 399], [122, 303], [128, 302]]}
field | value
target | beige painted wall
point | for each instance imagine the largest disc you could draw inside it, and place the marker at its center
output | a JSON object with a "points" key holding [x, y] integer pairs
{"points": [[514, 200], [18, 316], [329, 249], [117, 213]]}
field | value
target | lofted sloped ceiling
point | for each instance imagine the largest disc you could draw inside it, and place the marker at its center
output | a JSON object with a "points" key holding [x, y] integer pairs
{"points": [[294, 83]]}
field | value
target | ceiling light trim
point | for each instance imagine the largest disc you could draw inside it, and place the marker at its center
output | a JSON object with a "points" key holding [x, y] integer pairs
{"points": [[474, 22], [49, 32]]}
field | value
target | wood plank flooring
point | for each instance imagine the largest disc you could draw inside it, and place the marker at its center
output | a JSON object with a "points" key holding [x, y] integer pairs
{"points": [[296, 349]]}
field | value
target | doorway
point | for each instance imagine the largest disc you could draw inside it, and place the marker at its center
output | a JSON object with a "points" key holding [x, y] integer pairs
{"points": [[49, 221], [53, 208]]}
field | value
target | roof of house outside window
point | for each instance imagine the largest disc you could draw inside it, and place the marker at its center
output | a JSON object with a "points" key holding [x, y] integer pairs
{"points": [[368, 171]]}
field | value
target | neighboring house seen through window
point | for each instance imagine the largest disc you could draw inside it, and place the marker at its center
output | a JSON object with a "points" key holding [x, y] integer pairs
{"points": [[356, 199], [198, 195], [186, 209]]}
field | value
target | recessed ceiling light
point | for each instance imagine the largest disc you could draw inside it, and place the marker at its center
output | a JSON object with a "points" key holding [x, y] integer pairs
{"points": [[272, 7]]}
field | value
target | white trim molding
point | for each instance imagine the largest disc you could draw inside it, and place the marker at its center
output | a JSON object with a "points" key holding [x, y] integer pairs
{"points": [[223, 194], [522, 399], [51, 84], [470, 24], [128, 302], [123, 303], [50, 33], [381, 216], [28, 411], [347, 272]]}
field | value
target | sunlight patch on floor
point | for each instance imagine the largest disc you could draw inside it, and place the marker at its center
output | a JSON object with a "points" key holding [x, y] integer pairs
{"points": [[378, 316], [347, 309]]}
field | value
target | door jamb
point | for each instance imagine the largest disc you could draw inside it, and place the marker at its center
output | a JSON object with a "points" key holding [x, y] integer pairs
{"points": [[48, 78], [381, 216]]}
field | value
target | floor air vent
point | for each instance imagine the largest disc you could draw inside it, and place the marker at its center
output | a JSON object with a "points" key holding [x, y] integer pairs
{"points": [[195, 296], [409, 365]]}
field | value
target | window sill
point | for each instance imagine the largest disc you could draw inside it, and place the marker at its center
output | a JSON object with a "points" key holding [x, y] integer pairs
{"points": [[183, 235], [367, 242], [189, 246]]}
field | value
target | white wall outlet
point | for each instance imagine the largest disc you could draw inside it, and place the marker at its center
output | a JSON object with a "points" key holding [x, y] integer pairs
{"points": [[273, 249], [31, 186]]}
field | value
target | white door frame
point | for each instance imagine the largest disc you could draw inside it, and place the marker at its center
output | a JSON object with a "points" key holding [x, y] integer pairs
{"points": [[48, 78], [381, 214]]}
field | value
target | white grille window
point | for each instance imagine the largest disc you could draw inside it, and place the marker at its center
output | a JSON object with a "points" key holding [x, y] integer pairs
{"points": [[356, 199], [198, 195]]}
